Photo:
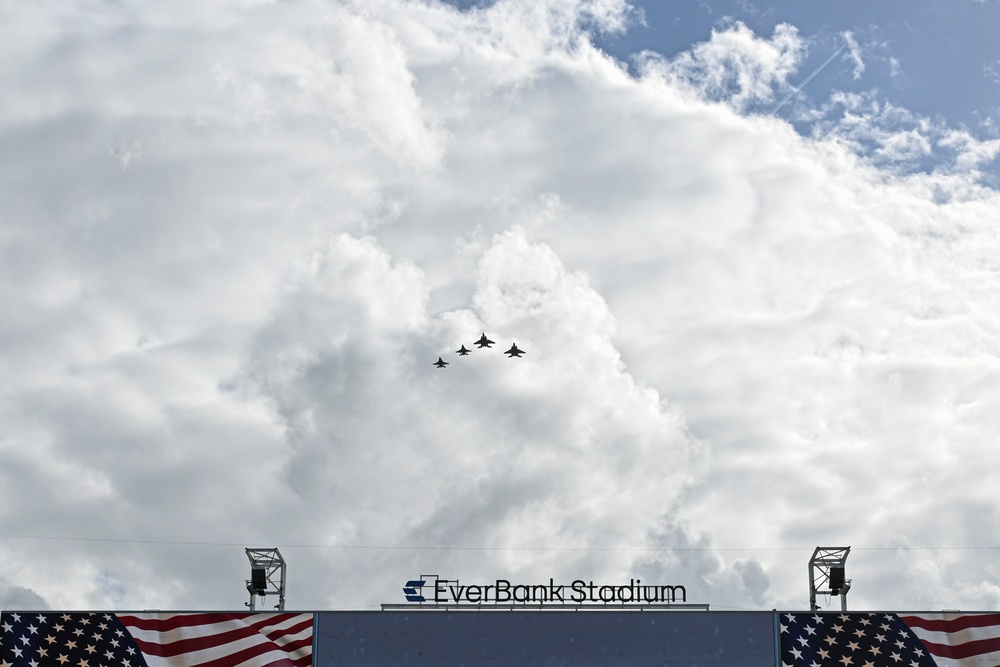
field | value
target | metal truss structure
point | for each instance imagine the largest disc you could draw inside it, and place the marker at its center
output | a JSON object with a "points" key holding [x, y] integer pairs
{"points": [[827, 575], [267, 576]]}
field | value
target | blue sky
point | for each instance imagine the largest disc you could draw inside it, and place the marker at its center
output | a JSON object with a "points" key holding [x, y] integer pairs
{"points": [[935, 65], [946, 59], [236, 235], [937, 60], [945, 51]]}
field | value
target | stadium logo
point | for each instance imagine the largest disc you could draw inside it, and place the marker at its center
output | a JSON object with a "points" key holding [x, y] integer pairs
{"points": [[413, 590], [502, 591]]}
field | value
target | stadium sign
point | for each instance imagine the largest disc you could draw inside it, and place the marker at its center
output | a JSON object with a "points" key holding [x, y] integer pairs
{"points": [[449, 591]]}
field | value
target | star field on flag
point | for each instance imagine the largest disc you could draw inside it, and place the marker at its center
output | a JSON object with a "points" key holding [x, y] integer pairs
{"points": [[72, 639], [849, 640]]}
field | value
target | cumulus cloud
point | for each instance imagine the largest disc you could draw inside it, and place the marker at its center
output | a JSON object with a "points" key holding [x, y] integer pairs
{"points": [[228, 260], [735, 65], [561, 449], [992, 71], [854, 54], [900, 141], [17, 597]]}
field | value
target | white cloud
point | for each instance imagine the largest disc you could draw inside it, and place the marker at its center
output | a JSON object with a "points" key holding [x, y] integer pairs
{"points": [[18, 597], [901, 141], [854, 54], [992, 71], [735, 65], [558, 449], [228, 260], [894, 68]]}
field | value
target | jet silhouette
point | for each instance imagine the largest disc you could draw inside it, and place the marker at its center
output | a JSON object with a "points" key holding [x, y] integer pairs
{"points": [[514, 351], [440, 363], [484, 341], [462, 351]]}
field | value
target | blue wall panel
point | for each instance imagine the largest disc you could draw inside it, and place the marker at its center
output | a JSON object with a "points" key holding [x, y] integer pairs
{"points": [[673, 638]]}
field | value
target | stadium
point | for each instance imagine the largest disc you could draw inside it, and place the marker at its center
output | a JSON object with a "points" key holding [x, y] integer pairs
{"points": [[539, 636], [446, 622]]}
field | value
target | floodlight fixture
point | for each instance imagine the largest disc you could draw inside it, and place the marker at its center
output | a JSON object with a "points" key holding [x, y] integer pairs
{"points": [[827, 575], [267, 576], [258, 579]]}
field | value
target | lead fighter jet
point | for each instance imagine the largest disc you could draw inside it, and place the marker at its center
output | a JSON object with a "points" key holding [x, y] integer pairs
{"points": [[462, 351], [440, 363], [484, 341], [514, 351]]}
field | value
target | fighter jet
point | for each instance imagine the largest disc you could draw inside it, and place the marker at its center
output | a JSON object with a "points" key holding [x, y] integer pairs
{"points": [[484, 341], [462, 351], [440, 363], [514, 351]]}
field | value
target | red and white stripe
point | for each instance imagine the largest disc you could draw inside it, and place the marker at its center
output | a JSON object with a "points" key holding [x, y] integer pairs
{"points": [[223, 640], [958, 640]]}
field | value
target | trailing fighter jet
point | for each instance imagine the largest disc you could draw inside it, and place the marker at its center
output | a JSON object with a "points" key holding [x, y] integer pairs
{"points": [[462, 351], [484, 341], [514, 351], [440, 363]]}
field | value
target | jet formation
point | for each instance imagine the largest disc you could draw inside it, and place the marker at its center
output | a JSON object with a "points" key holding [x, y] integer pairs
{"points": [[483, 342]]}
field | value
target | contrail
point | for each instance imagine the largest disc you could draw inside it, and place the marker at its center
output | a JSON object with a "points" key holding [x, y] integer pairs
{"points": [[808, 79]]}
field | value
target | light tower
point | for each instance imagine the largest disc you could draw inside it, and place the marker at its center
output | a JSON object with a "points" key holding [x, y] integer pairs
{"points": [[826, 575], [267, 576]]}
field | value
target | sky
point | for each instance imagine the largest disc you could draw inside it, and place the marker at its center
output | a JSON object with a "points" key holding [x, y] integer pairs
{"points": [[751, 252]]}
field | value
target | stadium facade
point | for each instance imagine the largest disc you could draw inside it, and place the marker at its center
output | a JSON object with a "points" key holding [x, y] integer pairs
{"points": [[526, 635]]}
